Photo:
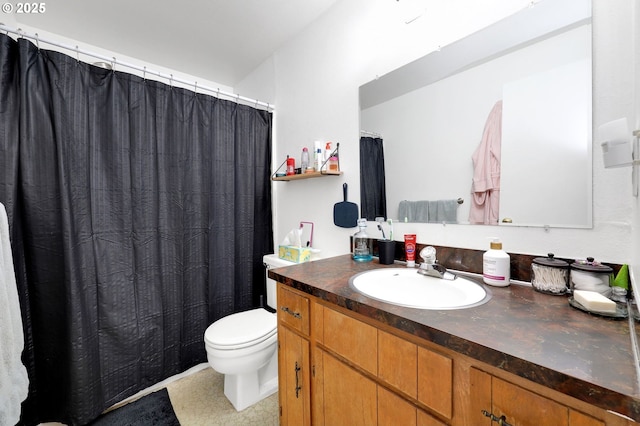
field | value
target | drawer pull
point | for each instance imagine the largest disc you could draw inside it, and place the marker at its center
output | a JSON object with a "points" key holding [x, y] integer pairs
{"points": [[298, 387], [290, 312], [502, 420]]}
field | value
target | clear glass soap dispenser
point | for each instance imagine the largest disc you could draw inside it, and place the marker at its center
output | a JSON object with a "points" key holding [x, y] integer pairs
{"points": [[361, 243]]}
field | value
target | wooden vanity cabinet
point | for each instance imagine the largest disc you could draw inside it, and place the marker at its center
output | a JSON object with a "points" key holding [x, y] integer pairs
{"points": [[293, 358], [350, 398], [367, 376], [340, 368], [517, 406]]}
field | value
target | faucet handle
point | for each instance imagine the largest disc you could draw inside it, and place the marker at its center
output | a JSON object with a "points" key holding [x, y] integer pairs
{"points": [[430, 267], [428, 255]]}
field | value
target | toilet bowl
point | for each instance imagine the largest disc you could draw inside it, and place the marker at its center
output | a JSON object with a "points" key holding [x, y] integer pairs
{"points": [[243, 347]]}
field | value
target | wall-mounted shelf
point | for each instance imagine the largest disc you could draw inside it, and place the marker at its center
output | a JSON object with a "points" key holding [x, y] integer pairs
{"points": [[323, 171], [306, 176]]}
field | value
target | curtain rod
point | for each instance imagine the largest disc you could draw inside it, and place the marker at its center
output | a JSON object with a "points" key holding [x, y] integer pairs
{"points": [[372, 134], [113, 62]]}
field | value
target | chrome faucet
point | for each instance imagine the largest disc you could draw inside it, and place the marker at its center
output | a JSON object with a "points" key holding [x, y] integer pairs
{"points": [[431, 267]]}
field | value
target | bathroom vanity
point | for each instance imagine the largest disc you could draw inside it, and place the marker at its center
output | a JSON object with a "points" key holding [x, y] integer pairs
{"points": [[524, 357]]}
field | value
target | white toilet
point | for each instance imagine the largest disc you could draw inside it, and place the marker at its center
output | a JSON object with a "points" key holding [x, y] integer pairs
{"points": [[242, 346]]}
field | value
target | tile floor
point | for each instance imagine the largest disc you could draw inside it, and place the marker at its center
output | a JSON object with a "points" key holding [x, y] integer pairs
{"points": [[198, 400]]}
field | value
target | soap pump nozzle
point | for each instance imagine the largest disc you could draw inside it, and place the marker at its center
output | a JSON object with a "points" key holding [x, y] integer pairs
{"points": [[496, 244]]}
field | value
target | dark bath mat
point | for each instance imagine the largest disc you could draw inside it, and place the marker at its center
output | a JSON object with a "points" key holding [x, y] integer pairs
{"points": [[153, 409]]}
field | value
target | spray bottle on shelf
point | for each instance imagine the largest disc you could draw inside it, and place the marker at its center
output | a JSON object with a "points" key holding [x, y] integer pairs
{"points": [[327, 151], [496, 265]]}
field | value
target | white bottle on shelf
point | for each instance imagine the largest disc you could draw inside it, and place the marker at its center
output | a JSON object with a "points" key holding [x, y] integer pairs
{"points": [[318, 155], [304, 160], [319, 159]]}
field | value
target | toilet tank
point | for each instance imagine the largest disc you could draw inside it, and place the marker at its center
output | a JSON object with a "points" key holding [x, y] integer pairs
{"points": [[273, 261]]}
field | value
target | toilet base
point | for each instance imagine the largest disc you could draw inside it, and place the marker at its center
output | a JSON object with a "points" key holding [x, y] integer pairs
{"points": [[244, 390]]}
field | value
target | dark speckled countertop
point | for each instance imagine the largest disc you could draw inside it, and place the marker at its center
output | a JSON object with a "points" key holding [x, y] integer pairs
{"points": [[527, 333]]}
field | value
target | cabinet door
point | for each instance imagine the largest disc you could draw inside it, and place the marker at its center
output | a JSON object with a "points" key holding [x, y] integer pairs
{"points": [[576, 418], [398, 363], [524, 408], [479, 399], [435, 381], [293, 376], [519, 406], [393, 410], [349, 397], [425, 419], [352, 339]]}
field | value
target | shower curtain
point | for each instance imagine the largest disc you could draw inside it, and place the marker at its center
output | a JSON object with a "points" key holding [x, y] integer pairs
{"points": [[373, 193], [139, 214]]}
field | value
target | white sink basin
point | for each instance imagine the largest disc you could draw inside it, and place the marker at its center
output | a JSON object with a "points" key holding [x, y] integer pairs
{"points": [[406, 287]]}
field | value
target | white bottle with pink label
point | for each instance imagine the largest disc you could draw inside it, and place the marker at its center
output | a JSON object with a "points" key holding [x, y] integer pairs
{"points": [[496, 265]]}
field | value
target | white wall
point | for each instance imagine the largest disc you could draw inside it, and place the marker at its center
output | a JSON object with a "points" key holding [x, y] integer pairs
{"points": [[317, 76], [314, 80], [635, 263]]}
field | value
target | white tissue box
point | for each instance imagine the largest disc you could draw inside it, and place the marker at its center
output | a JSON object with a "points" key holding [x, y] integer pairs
{"points": [[294, 254]]}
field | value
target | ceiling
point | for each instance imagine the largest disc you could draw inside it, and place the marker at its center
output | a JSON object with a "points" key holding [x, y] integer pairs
{"points": [[218, 40]]}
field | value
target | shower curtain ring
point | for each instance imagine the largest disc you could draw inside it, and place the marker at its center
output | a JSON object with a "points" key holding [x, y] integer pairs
{"points": [[37, 41], [77, 54], [144, 73], [195, 88], [113, 64], [171, 80]]}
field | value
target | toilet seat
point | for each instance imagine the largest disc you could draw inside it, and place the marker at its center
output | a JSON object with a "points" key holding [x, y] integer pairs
{"points": [[241, 330]]}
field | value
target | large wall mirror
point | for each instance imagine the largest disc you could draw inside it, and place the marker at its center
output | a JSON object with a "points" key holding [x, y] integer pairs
{"points": [[432, 114]]}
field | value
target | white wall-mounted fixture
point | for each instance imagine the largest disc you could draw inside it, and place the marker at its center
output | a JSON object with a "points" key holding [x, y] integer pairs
{"points": [[616, 144], [618, 149]]}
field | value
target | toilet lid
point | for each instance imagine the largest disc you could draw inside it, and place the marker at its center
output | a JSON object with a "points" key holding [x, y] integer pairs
{"points": [[242, 329]]}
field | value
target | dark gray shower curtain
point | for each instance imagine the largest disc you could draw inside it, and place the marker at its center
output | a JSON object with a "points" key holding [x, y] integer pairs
{"points": [[373, 192], [139, 214]]}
